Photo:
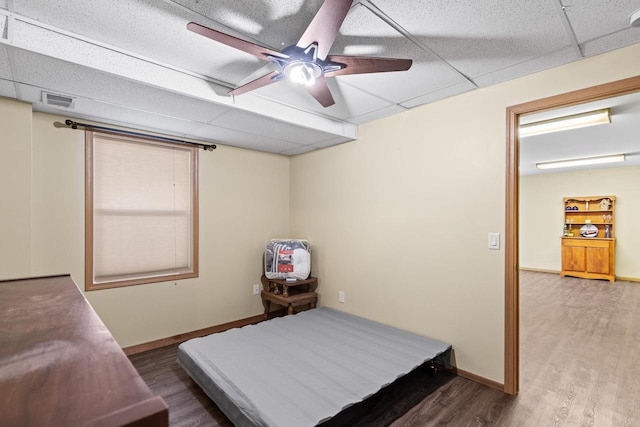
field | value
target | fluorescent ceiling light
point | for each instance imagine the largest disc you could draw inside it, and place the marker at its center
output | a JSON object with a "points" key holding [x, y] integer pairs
{"points": [[575, 121], [581, 162]]}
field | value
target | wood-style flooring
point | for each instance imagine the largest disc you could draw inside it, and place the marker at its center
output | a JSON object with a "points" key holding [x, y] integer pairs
{"points": [[579, 360]]}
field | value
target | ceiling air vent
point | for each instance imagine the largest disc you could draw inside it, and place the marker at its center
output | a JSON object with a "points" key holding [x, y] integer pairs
{"points": [[55, 100]]}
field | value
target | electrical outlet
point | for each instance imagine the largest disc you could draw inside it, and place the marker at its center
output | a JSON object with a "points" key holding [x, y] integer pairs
{"points": [[340, 296], [256, 289]]}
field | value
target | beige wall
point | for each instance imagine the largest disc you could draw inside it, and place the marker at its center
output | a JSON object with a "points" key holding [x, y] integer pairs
{"points": [[542, 215], [15, 188], [237, 218], [399, 218]]}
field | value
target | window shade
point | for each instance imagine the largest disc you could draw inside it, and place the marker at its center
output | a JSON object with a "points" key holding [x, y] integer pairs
{"points": [[143, 209]]}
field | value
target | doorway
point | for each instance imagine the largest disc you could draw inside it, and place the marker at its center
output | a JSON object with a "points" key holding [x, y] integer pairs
{"points": [[512, 342]]}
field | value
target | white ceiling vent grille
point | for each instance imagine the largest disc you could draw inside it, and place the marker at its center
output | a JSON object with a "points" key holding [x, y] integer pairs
{"points": [[56, 100]]}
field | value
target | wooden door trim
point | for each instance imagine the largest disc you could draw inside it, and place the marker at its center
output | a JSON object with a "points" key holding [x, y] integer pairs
{"points": [[512, 321]]}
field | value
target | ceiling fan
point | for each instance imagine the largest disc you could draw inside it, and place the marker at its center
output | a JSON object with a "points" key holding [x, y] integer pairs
{"points": [[308, 62]]}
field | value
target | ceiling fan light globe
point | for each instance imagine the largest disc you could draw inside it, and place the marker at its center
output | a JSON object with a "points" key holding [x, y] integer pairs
{"points": [[303, 73]]}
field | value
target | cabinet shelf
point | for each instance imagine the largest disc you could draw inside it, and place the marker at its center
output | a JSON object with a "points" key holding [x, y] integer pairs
{"points": [[587, 238], [587, 210], [594, 223]]}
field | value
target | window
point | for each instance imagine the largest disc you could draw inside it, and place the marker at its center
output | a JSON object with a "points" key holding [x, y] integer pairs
{"points": [[141, 211]]}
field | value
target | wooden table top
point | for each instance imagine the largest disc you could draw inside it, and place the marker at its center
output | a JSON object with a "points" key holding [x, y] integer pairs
{"points": [[60, 366]]}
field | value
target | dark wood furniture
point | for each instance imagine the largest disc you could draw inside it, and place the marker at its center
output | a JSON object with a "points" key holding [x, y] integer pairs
{"points": [[60, 366], [288, 294]]}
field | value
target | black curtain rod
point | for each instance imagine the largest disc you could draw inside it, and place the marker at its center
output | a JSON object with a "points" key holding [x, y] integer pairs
{"points": [[75, 125]]}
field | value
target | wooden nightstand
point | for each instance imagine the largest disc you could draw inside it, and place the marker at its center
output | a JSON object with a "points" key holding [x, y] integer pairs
{"points": [[288, 294]]}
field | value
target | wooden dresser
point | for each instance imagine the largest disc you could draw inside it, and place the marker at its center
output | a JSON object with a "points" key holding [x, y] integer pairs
{"points": [[60, 366], [589, 257]]}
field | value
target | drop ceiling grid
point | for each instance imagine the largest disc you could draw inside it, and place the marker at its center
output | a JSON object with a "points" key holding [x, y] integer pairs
{"points": [[110, 115], [527, 66], [350, 101], [271, 23], [49, 42], [610, 42], [5, 68], [77, 80], [7, 89], [439, 94], [364, 33], [237, 119], [591, 19], [478, 37], [243, 139], [153, 29]]}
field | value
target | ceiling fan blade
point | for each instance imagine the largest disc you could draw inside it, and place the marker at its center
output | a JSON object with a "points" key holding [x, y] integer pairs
{"points": [[364, 64], [324, 27], [265, 80], [320, 91], [243, 45]]}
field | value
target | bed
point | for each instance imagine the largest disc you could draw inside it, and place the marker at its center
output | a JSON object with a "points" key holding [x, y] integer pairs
{"points": [[302, 370]]}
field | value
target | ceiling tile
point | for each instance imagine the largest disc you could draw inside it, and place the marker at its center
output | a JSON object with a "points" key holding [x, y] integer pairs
{"points": [[531, 66], [5, 69], [609, 42], [244, 140], [446, 92], [4, 19], [350, 101], [328, 143], [300, 150], [262, 125], [378, 114], [7, 89], [72, 79], [155, 29], [478, 37], [111, 114], [365, 34], [271, 23], [591, 19]]}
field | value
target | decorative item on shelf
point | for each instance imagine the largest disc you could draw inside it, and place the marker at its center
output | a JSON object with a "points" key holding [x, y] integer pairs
{"points": [[586, 205], [589, 230], [609, 218], [607, 231], [565, 232], [570, 231], [605, 204]]}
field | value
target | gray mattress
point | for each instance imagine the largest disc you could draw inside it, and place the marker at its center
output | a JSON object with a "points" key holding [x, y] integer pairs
{"points": [[301, 370]]}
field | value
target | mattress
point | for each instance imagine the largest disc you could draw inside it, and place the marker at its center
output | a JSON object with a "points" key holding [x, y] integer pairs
{"points": [[301, 370]]}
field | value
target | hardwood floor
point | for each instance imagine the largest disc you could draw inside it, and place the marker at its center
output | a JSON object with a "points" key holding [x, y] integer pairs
{"points": [[580, 366]]}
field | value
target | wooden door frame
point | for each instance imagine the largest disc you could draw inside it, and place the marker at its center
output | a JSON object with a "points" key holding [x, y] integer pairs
{"points": [[512, 291]]}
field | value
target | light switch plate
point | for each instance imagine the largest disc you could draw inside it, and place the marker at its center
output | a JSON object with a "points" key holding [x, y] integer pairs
{"points": [[494, 241]]}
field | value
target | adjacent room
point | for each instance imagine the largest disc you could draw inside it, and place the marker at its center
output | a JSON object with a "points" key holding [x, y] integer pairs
{"points": [[325, 212]]}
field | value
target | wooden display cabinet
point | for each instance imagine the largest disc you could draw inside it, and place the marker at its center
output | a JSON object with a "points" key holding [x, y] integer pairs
{"points": [[589, 257]]}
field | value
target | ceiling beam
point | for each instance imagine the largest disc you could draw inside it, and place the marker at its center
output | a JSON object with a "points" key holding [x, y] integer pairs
{"points": [[37, 37]]}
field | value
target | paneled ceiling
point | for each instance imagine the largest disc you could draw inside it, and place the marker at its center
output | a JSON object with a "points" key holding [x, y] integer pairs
{"points": [[133, 63]]}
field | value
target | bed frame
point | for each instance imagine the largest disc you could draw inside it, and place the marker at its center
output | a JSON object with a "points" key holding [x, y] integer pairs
{"points": [[302, 370]]}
